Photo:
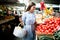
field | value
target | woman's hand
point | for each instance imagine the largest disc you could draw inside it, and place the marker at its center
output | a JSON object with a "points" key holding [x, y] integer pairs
{"points": [[36, 24], [22, 24]]}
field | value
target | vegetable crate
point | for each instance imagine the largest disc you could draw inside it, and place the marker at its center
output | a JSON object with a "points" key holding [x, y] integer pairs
{"points": [[38, 36]]}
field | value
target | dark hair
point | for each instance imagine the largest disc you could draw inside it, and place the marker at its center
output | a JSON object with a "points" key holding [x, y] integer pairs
{"points": [[30, 5]]}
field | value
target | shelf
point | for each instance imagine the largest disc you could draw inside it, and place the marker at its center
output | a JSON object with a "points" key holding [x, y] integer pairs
{"points": [[6, 20]]}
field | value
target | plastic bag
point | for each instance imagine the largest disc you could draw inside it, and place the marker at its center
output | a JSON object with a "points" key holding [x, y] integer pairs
{"points": [[19, 32]]}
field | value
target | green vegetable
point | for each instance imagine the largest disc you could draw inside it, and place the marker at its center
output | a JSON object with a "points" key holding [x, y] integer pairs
{"points": [[57, 35], [45, 38]]}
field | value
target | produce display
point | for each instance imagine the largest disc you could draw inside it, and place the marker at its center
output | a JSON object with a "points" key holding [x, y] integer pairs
{"points": [[42, 5], [47, 23], [57, 35], [45, 38], [48, 11], [39, 18], [49, 26], [8, 17]]}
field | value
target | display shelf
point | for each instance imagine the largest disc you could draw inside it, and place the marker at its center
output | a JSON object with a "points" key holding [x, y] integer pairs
{"points": [[7, 19]]}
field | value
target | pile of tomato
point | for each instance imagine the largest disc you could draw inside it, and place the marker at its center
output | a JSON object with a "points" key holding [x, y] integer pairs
{"points": [[49, 26]]}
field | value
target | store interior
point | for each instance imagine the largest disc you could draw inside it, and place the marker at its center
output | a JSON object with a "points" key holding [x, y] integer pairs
{"points": [[48, 19]]}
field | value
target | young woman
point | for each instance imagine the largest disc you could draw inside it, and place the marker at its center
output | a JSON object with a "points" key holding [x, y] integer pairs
{"points": [[29, 19]]}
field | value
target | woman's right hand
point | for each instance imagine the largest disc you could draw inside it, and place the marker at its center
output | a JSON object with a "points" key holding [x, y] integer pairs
{"points": [[22, 24]]}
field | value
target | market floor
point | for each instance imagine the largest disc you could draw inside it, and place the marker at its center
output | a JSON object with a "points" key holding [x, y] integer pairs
{"points": [[17, 38], [8, 37]]}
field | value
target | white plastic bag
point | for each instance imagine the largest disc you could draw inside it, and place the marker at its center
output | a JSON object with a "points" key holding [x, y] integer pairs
{"points": [[19, 32]]}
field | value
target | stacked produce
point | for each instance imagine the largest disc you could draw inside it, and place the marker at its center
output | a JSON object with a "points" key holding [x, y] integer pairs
{"points": [[48, 11], [49, 26]]}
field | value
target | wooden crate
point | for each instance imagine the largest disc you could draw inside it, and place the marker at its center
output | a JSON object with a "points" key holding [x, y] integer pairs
{"points": [[49, 35]]}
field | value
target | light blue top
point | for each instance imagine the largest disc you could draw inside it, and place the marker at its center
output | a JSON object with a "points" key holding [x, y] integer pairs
{"points": [[29, 20]]}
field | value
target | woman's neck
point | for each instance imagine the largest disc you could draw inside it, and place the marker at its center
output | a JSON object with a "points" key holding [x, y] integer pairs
{"points": [[31, 11]]}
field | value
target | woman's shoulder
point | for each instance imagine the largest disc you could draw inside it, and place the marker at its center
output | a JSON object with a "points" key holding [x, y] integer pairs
{"points": [[24, 13]]}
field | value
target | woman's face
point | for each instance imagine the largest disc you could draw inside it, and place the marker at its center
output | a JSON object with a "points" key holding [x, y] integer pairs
{"points": [[32, 8]]}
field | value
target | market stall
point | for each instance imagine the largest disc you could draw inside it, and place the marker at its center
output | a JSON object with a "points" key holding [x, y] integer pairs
{"points": [[7, 19], [48, 24]]}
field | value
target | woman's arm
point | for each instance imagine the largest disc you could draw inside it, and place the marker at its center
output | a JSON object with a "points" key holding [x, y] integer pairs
{"points": [[23, 18]]}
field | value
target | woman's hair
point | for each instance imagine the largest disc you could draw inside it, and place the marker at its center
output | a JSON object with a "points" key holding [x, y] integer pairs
{"points": [[30, 5]]}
